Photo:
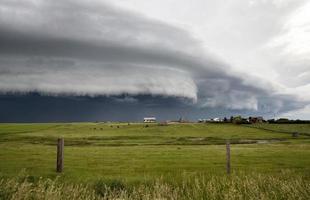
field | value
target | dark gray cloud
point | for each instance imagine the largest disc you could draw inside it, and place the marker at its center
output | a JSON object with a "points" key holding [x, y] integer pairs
{"points": [[33, 107], [78, 48]]}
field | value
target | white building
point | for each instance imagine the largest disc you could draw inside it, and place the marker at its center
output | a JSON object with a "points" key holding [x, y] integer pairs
{"points": [[216, 119], [149, 119]]}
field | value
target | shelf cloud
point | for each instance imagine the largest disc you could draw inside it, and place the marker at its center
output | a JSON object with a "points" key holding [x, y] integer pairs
{"points": [[74, 48]]}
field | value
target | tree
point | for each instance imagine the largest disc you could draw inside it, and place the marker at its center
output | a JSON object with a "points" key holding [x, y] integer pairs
{"points": [[237, 119]]}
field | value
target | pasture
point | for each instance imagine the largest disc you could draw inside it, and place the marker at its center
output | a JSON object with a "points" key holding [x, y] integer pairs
{"points": [[135, 152], [154, 161]]}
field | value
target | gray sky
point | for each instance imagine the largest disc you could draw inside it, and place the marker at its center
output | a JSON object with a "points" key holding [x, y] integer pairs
{"points": [[227, 54]]}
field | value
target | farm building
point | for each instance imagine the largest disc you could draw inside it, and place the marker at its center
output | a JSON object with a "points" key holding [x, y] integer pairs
{"points": [[254, 120], [149, 119]]}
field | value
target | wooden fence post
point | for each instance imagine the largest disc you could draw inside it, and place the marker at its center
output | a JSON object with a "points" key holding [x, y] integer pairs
{"points": [[228, 157], [60, 155]]}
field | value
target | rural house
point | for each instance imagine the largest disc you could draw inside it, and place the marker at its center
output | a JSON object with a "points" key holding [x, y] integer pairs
{"points": [[149, 119], [254, 120]]}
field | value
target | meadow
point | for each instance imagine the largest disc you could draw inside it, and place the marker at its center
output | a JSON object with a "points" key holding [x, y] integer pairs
{"points": [[136, 154]]}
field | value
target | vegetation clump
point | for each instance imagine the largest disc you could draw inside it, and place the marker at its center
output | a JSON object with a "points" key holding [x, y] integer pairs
{"points": [[286, 185]]}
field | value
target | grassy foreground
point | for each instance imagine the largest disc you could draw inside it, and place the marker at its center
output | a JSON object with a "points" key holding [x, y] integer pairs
{"points": [[285, 185], [135, 161], [135, 152]]}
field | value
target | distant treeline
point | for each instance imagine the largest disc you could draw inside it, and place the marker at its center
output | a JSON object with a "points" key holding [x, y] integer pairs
{"points": [[288, 121], [256, 120]]}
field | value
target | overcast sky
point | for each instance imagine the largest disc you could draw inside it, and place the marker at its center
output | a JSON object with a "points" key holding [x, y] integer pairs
{"points": [[230, 56]]}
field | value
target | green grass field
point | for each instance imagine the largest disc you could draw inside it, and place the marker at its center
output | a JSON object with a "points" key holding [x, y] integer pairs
{"points": [[133, 152], [139, 161]]}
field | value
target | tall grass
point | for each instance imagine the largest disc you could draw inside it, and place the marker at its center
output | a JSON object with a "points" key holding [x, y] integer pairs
{"points": [[285, 185]]}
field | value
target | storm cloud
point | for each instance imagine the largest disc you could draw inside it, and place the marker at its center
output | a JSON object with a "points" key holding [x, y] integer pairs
{"points": [[77, 48]]}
